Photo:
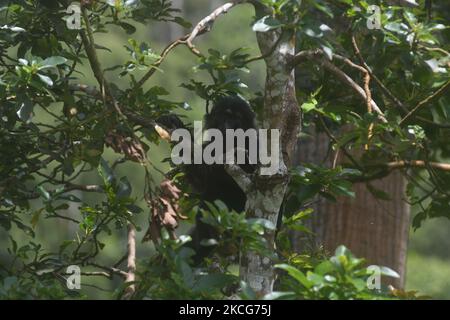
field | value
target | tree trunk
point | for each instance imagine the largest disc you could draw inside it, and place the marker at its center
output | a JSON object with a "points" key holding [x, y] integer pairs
{"points": [[371, 228], [281, 116]]}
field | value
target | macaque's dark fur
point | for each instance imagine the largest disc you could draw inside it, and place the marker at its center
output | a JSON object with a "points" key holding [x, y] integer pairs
{"points": [[212, 182]]}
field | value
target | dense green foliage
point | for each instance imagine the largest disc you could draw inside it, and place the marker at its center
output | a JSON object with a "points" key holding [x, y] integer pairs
{"points": [[55, 130]]}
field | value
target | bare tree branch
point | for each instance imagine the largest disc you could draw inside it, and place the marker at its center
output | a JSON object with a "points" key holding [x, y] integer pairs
{"points": [[93, 273], [242, 178], [406, 3], [385, 90], [427, 100], [110, 270], [202, 27], [206, 23], [131, 262], [84, 187], [163, 56], [351, 83], [418, 164], [318, 54]]}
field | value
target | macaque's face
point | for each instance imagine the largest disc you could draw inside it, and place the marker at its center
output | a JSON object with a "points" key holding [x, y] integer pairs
{"points": [[230, 114]]}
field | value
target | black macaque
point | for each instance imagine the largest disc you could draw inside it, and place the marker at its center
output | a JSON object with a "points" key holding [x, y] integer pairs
{"points": [[211, 181]]}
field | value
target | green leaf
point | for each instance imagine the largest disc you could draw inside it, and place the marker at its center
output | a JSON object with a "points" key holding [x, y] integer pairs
{"points": [[100, 47], [8, 282], [396, 27], [359, 284], [341, 251], [377, 193], [44, 193], [246, 291], [182, 22], [436, 66], [106, 172], [279, 295], [124, 188], [209, 242], [23, 62], [12, 28], [296, 274], [14, 244], [131, 4], [342, 187], [307, 192], [52, 62], [213, 281], [266, 23], [134, 209], [35, 217], [411, 3], [301, 215], [25, 111], [328, 52], [129, 28], [69, 197], [186, 272], [264, 222], [300, 228], [47, 80], [316, 279], [324, 268], [308, 106], [92, 153], [388, 272]]}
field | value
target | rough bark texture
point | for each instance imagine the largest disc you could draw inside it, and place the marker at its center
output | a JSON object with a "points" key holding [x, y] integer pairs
{"points": [[131, 262], [281, 112], [371, 228]]}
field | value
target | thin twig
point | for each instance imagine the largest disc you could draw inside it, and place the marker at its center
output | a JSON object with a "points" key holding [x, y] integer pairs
{"points": [[385, 90], [68, 186], [202, 27], [163, 55], [427, 100], [318, 54], [418, 164], [366, 90], [110, 270], [356, 87], [335, 140], [206, 23], [87, 39]]}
